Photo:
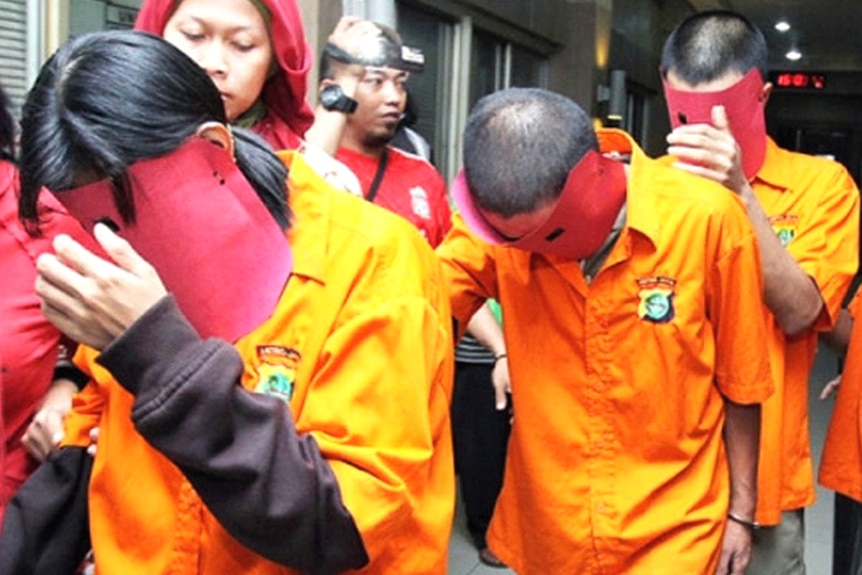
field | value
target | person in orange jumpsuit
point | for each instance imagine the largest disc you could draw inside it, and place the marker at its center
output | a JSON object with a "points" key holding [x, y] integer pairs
{"points": [[806, 214], [307, 433], [636, 354], [841, 461]]}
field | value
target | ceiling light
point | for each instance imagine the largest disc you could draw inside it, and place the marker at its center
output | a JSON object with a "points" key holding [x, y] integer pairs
{"points": [[793, 55], [782, 26]]}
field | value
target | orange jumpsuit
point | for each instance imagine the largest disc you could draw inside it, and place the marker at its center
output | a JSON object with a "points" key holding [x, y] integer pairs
{"points": [[841, 462], [813, 206], [616, 461], [346, 440]]}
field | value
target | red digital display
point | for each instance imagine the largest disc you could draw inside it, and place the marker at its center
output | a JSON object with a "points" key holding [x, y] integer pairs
{"points": [[800, 80]]}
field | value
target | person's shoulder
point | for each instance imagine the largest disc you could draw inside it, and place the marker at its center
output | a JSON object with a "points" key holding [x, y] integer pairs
{"points": [[415, 161], [354, 224], [382, 229], [800, 171], [418, 168], [676, 189]]}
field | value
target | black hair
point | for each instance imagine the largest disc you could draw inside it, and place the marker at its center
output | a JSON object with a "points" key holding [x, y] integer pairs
{"points": [[7, 129], [106, 100], [520, 145], [709, 45]]}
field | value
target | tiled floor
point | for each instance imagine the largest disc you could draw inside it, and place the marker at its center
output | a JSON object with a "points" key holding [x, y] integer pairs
{"points": [[818, 549]]}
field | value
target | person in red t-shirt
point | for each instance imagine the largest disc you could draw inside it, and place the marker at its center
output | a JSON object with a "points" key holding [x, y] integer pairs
{"points": [[366, 103]]}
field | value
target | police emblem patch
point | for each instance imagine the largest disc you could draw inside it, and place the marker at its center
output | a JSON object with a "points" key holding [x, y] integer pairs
{"points": [[784, 226], [656, 299], [276, 371]]}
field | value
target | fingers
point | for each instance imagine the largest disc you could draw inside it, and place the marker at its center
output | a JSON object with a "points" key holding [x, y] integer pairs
{"points": [[346, 22], [500, 400], [79, 258], [830, 388], [709, 151], [70, 315], [121, 251], [719, 119], [57, 283], [351, 32], [58, 303], [502, 384], [44, 433], [92, 299], [94, 438]]}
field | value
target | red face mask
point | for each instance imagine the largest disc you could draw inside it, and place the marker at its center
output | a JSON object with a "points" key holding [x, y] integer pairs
{"points": [[205, 230], [583, 217], [745, 107]]}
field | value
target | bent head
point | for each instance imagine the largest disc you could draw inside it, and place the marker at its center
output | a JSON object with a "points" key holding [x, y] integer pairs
{"points": [[533, 178], [719, 58], [519, 146], [230, 39], [254, 50], [108, 100]]}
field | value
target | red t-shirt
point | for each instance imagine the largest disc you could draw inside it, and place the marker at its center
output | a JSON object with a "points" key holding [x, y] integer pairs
{"points": [[411, 187]]}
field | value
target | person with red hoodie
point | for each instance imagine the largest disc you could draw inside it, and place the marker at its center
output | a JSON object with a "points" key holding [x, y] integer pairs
{"points": [[256, 53], [34, 394]]}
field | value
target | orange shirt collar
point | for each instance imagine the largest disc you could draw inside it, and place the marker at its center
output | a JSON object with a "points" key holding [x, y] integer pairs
{"points": [[641, 215], [640, 211], [773, 171], [309, 202]]}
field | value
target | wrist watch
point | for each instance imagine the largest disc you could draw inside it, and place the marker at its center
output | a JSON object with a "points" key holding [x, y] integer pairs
{"points": [[333, 99]]}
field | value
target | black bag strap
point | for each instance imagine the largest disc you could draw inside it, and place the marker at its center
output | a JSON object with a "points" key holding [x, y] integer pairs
{"points": [[378, 177]]}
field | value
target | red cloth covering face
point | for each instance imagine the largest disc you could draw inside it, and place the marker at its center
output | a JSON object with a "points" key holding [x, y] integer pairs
{"points": [[290, 115], [745, 107], [29, 344], [586, 210], [202, 226]]}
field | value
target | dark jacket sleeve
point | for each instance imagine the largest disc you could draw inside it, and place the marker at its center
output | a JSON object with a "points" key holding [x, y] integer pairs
{"points": [[45, 529], [268, 486]]}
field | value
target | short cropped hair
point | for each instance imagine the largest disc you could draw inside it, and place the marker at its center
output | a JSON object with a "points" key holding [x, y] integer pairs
{"points": [[520, 145], [711, 44], [106, 100]]}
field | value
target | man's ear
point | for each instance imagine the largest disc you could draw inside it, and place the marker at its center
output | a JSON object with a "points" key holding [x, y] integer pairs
{"points": [[217, 133], [767, 91]]}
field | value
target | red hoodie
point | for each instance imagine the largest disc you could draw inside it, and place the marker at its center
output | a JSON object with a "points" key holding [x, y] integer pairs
{"points": [[29, 344], [284, 94]]}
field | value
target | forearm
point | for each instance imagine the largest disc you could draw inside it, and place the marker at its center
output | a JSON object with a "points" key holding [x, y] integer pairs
{"points": [[484, 327], [839, 338], [240, 450], [328, 128], [742, 443], [790, 294]]}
